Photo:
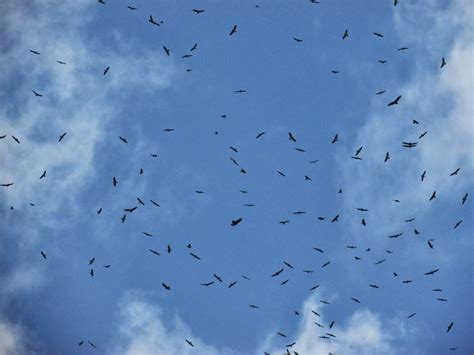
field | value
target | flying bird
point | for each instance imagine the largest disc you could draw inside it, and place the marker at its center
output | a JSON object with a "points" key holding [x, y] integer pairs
{"points": [[123, 139], [443, 62], [432, 272], [44, 255], [235, 222], [35, 52], [152, 21], [37, 94], [43, 175], [449, 327], [335, 139], [297, 40], [346, 34], [234, 30], [395, 102], [106, 70], [61, 137], [377, 34], [131, 7], [7, 184], [455, 172], [166, 287], [259, 135], [167, 51], [276, 273], [189, 342], [433, 196], [198, 11]]}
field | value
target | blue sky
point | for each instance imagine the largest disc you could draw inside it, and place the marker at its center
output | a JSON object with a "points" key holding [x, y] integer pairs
{"points": [[47, 306]]}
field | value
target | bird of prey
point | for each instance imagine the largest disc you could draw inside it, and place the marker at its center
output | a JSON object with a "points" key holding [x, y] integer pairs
{"points": [[433, 196], [288, 264], [101, 2], [92, 344], [314, 287], [457, 224], [284, 282], [291, 137], [455, 172], [335, 71], [422, 135], [199, 192], [43, 175], [407, 281], [154, 252], [207, 284], [387, 157], [60, 62], [81, 342], [234, 30], [140, 201], [152, 21], [358, 151], [194, 47], [240, 91], [379, 262], [106, 70], [373, 285], [106, 266], [411, 315], [61, 137], [34, 52], [429, 243], [37, 94], [195, 256], [449, 327], [1, 137], [259, 135], [464, 198], [363, 222], [147, 234], [300, 150], [297, 39], [382, 61], [276, 273], [331, 324], [409, 220], [91, 272], [395, 2], [232, 284], [156, 204], [91, 261], [306, 177], [130, 210], [168, 130], [253, 306], [335, 139], [284, 222], [299, 212], [355, 300], [395, 102], [166, 286], [432, 272], [198, 11], [415, 121], [409, 144], [154, 155], [123, 139], [377, 34], [167, 51], [234, 149], [335, 219], [281, 334], [363, 209], [218, 278], [235, 222], [123, 218], [423, 175], [44, 255], [380, 92], [346, 34], [99, 211], [356, 158], [132, 8], [442, 299], [7, 184], [282, 174], [402, 48], [189, 342], [443, 62], [325, 264]]}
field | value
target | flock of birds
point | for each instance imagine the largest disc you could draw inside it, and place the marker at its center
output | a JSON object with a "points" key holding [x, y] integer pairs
{"points": [[328, 334]]}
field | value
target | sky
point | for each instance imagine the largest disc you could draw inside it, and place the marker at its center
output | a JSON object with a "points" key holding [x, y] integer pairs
{"points": [[180, 117]]}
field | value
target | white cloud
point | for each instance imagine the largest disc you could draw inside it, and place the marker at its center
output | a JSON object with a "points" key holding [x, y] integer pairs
{"points": [[11, 339]]}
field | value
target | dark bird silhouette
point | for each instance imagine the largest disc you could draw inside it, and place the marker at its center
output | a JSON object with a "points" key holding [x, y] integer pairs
{"points": [[194, 47], [156, 204], [218, 278], [259, 135], [387, 157], [130, 210], [281, 334], [355, 300], [407, 281], [37, 94], [335, 139], [1, 137], [377, 34], [91, 272], [169, 249], [433, 196], [154, 252], [152, 21], [415, 121], [207, 284], [457, 224], [106, 70], [284, 222], [106, 266], [455, 172], [297, 40], [395, 235], [442, 299], [395, 102], [282, 174], [423, 175], [288, 264], [189, 342], [140, 201], [402, 48], [380, 92], [81, 342], [166, 286], [325, 264], [409, 144], [44, 255], [124, 217], [382, 61], [198, 11], [422, 135], [35, 52], [234, 149], [331, 324], [99, 211], [346, 34], [240, 91], [291, 137], [411, 315], [195, 256], [147, 234], [235, 222], [363, 209], [234, 30], [432, 272], [335, 219], [123, 139], [409, 220], [395, 2], [167, 51], [60, 62], [358, 151], [300, 150], [61, 137], [314, 287], [373, 286], [276, 273], [443, 62], [131, 8], [335, 71], [299, 212], [318, 249], [284, 282], [43, 175], [7, 184], [232, 284], [199, 192], [449, 327], [464, 198], [92, 344], [429, 243], [91, 261], [168, 130]]}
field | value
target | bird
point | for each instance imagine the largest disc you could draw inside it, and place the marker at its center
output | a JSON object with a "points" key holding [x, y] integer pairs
{"points": [[218, 278], [259, 135], [373, 286], [91, 261], [395, 2], [335, 71], [276, 273], [106, 266], [455, 172], [409, 144], [298, 40], [284, 222], [346, 34], [195, 256], [80, 343], [433, 196], [395, 102], [169, 249], [166, 287], [168, 130], [411, 315], [199, 192], [280, 173], [449, 327], [194, 47], [402, 48], [234, 30], [387, 157], [240, 91], [99, 211], [291, 137], [123, 218], [314, 287], [288, 264], [37, 94], [44, 255], [140, 201], [232, 284], [16, 139], [152, 21], [423, 175], [154, 252], [415, 121], [335, 219], [106, 70], [318, 249], [60, 62], [35, 52], [167, 51], [43, 175], [235, 222], [91, 272], [156, 204], [207, 284], [464, 198], [189, 342], [281, 334], [432, 272], [331, 324], [429, 243], [92, 344], [325, 264], [382, 61], [130, 210], [355, 300], [380, 92], [422, 135], [198, 11], [7, 184], [335, 139], [132, 8], [443, 62], [377, 34], [457, 224], [123, 139], [147, 234], [61, 137], [395, 235]]}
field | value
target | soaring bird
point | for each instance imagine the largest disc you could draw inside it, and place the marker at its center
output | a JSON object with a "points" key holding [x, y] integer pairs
{"points": [[464, 198], [423, 175], [37, 94], [16, 139], [154, 252], [443, 62], [167, 51], [189, 342], [387, 157], [43, 175], [106, 70], [123, 139], [335, 139], [433, 196], [432, 272], [455, 172], [156, 204], [35, 52], [198, 11], [457, 224], [291, 137], [132, 8], [346, 34], [449, 327], [260, 134], [130, 210], [232, 284], [235, 222], [335, 219], [276, 273], [380, 92], [61, 137], [377, 34], [234, 30], [165, 286], [194, 47], [7, 184], [297, 39], [153, 22], [44, 255], [395, 102]]}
